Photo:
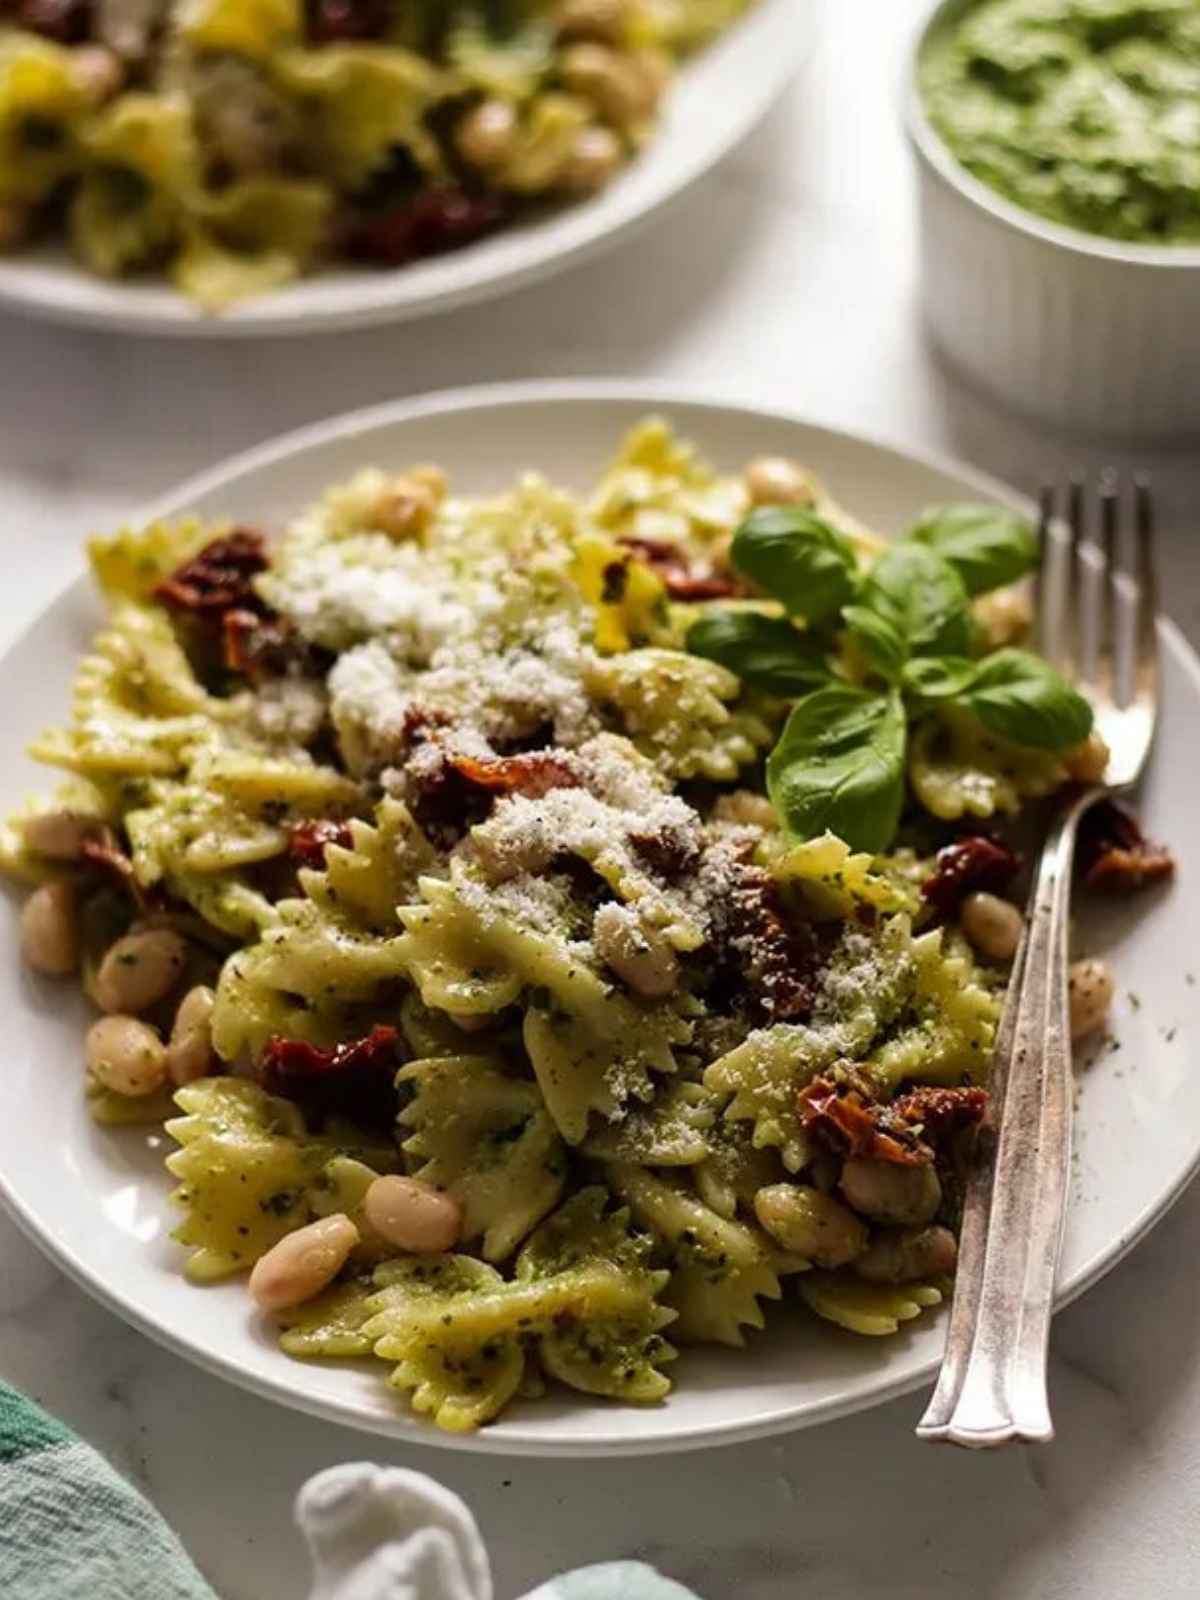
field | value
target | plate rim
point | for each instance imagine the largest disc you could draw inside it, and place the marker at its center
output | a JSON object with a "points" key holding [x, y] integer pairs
{"points": [[794, 28], [683, 396]]}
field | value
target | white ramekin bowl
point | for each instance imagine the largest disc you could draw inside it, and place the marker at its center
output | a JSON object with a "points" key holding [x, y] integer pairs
{"points": [[1082, 332]]}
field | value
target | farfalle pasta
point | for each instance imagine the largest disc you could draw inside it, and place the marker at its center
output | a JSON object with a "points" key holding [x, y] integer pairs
{"points": [[439, 866], [234, 145]]}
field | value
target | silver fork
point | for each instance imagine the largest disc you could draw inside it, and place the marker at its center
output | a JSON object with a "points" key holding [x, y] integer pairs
{"points": [[1096, 612]]}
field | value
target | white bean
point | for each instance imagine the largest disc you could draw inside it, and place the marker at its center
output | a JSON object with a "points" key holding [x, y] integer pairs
{"points": [[747, 809], [810, 1224], [98, 72], [139, 970], [126, 1056], [412, 1215], [888, 1192], [190, 1052], [642, 958], [303, 1263], [487, 135], [908, 1253], [1090, 988], [993, 926], [623, 88], [50, 930], [595, 157], [405, 509], [778, 481], [1088, 761], [592, 19], [60, 835]]}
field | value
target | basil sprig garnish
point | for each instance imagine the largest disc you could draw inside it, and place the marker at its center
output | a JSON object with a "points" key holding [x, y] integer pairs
{"points": [[767, 652], [839, 766], [799, 558], [840, 761]]}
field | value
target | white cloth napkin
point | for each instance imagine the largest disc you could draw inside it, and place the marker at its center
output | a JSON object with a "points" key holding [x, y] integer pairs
{"points": [[383, 1533]]}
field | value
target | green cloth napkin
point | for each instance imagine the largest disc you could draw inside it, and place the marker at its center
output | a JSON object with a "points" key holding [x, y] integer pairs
{"points": [[70, 1528]]}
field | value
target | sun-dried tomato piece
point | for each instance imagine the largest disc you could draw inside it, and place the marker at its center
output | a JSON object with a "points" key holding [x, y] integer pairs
{"points": [[218, 578], [771, 960], [427, 224], [682, 581], [971, 863], [846, 1118], [532, 773], [909, 1131], [939, 1113], [450, 793], [668, 851], [104, 853], [1115, 854], [354, 1080], [256, 646], [66, 21], [330, 21], [307, 841]]}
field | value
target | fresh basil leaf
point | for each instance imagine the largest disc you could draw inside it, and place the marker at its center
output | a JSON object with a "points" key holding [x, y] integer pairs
{"points": [[986, 545], [1023, 699], [839, 766], [939, 677], [879, 640], [798, 557], [922, 597], [767, 652]]}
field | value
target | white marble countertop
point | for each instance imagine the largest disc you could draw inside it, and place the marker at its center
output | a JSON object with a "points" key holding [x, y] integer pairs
{"points": [[790, 275]]}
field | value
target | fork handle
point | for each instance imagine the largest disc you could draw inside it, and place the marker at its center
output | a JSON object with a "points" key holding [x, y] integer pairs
{"points": [[992, 1384]]}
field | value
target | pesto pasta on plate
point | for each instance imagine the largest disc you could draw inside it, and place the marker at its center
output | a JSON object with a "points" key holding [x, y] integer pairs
{"points": [[231, 148], [556, 929]]}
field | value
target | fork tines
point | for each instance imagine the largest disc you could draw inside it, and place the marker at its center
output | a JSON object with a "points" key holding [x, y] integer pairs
{"points": [[1096, 590]]}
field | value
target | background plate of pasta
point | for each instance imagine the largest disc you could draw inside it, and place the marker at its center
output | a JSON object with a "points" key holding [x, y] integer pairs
{"points": [[216, 167], [513, 909]]}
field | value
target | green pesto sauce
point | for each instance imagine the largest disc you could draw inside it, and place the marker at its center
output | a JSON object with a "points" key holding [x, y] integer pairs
{"points": [[1084, 111]]}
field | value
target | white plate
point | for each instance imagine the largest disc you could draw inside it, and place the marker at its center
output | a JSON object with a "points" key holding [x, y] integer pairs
{"points": [[718, 98], [96, 1200]]}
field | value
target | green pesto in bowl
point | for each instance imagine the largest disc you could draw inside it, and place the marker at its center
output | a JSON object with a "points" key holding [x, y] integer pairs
{"points": [[1086, 112]]}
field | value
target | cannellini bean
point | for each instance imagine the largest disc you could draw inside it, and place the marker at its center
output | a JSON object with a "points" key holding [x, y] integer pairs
{"points": [[595, 158], [778, 481], [431, 477], [486, 135], [887, 1192], [412, 1215], [50, 930], [139, 970], [1088, 761], [405, 509], [993, 926], [811, 1224], [620, 86], [642, 958], [1090, 988], [100, 73], [746, 808], [906, 1254], [592, 19], [1006, 616], [303, 1263], [60, 835], [190, 1052], [126, 1056]]}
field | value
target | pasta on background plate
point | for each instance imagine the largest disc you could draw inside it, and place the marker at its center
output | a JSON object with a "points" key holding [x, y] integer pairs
{"points": [[234, 145], [553, 929]]}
